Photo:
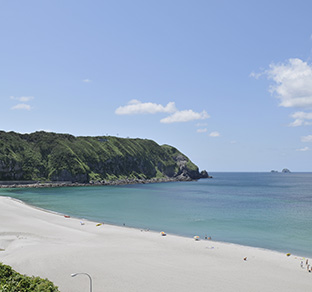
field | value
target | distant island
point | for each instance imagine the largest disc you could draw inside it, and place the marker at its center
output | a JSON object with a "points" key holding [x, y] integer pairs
{"points": [[45, 157], [285, 170]]}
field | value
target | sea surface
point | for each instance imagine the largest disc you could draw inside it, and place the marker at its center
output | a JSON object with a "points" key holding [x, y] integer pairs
{"points": [[266, 210]]}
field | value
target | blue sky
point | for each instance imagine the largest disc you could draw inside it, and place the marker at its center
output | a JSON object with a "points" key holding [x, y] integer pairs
{"points": [[228, 83]]}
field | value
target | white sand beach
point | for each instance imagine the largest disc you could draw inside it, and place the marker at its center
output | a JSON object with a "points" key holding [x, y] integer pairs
{"points": [[41, 243]]}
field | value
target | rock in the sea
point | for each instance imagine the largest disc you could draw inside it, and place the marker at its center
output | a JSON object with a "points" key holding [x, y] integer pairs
{"points": [[285, 170], [204, 174]]}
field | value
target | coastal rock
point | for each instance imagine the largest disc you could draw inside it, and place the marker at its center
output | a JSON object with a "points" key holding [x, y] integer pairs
{"points": [[285, 170], [204, 174]]}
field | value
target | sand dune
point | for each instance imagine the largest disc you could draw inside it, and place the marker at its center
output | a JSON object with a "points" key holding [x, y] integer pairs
{"points": [[41, 243]]}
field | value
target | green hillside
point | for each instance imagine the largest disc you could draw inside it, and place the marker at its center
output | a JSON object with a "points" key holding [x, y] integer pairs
{"points": [[43, 156]]}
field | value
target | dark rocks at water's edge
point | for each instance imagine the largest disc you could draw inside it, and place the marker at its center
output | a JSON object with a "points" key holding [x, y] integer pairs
{"points": [[52, 184], [120, 182], [204, 174]]}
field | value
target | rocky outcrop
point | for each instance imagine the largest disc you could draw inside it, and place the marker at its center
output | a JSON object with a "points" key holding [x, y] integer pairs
{"points": [[204, 174]]}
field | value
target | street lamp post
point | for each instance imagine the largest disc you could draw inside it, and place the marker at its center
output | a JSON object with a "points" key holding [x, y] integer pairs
{"points": [[74, 275]]}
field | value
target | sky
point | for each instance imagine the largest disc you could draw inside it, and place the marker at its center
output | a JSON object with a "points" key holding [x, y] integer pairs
{"points": [[228, 83]]}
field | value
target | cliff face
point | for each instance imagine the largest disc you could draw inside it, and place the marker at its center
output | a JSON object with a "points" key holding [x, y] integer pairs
{"points": [[63, 157]]}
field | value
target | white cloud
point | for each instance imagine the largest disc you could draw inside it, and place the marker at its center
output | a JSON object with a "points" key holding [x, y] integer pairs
{"points": [[293, 83], [86, 80], [214, 134], [138, 107], [303, 149], [201, 124], [256, 75], [300, 119], [21, 106], [201, 130], [306, 138], [185, 116], [22, 98]]}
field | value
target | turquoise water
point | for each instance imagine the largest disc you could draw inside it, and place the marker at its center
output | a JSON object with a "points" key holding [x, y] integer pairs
{"points": [[267, 210]]}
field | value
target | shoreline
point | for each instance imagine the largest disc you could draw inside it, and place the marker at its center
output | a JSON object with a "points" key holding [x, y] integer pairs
{"points": [[38, 184], [37, 241], [152, 230], [144, 229]]}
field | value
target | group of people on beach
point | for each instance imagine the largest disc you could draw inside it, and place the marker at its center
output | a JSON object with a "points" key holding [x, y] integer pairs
{"points": [[306, 264]]}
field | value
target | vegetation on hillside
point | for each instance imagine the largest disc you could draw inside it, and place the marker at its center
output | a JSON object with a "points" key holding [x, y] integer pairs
{"points": [[62, 157], [11, 281]]}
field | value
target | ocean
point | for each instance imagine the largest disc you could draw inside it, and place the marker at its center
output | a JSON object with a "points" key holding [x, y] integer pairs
{"points": [[265, 210]]}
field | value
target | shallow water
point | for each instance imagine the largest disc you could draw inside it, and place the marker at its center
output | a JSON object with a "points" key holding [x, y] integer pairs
{"points": [[267, 210]]}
